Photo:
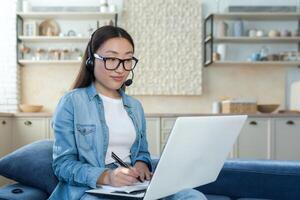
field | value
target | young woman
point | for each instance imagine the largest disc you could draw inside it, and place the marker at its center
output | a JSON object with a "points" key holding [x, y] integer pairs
{"points": [[98, 118]]}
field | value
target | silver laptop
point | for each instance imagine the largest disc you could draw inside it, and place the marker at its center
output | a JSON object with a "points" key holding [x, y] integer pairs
{"points": [[193, 156]]}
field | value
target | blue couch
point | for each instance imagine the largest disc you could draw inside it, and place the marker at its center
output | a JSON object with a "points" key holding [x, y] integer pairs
{"points": [[31, 167]]}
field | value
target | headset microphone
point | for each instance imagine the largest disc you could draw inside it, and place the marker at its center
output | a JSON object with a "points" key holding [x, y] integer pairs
{"points": [[129, 81]]}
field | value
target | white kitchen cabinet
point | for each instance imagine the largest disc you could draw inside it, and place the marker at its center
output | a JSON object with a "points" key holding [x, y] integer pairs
{"points": [[50, 132], [167, 124], [287, 139], [27, 130], [5, 135], [5, 142], [260, 138], [153, 135], [254, 141]]}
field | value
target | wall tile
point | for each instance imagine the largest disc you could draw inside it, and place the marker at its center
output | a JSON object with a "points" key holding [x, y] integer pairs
{"points": [[168, 44], [9, 82]]}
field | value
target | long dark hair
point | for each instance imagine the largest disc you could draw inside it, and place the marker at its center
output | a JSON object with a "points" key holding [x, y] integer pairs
{"points": [[85, 77]]}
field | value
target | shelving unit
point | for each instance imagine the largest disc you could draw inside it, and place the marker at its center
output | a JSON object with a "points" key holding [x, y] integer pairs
{"points": [[209, 38], [262, 16], [36, 39], [53, 39], [257, 39], [35, 62], [256, 63], [68, 15]]}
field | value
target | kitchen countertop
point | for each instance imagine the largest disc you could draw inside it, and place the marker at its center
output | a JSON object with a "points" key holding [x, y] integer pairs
{"points": [[23, 114], [44, 114], [6, 114], [271, 115], [37, 114]]}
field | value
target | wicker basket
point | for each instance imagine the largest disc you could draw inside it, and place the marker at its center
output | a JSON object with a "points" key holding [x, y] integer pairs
{"points": [[239, 107]]}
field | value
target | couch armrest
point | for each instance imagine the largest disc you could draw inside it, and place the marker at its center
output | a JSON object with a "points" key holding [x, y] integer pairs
{"points": [[257, 179]]}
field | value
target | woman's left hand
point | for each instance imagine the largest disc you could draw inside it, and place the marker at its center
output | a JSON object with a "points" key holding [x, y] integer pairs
{"points": [[143, 170]]}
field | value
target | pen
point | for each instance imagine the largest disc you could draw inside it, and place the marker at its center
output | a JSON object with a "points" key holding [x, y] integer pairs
{"points": [[122, 163]]}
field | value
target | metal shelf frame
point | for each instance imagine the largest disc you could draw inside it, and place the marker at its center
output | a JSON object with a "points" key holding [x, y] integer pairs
{"points": [[209, 40]]}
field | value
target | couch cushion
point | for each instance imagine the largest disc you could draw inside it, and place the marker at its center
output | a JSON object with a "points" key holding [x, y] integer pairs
{"points": [[216, 197], [251, 199], [265, 179], [31, 165], [19, 191]]}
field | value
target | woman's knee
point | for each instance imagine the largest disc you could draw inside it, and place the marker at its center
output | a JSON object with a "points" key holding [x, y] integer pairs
{"points": [[187, 194], [93, 197]]}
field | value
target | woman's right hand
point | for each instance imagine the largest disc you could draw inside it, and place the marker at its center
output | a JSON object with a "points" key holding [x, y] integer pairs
{"points": [[120, 176]]}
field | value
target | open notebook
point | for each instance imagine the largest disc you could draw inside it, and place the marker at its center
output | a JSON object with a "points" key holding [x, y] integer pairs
{"points": [[137, 188]]}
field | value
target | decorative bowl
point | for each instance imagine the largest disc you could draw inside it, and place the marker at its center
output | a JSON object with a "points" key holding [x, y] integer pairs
{"points": [[267, 108], [30, 108]]}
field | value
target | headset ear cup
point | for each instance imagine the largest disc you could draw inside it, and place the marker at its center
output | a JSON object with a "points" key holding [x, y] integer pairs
{"points": [[90, 64]]}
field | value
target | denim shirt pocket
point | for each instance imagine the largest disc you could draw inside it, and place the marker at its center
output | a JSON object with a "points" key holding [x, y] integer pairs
{"points": [[85, 135]]}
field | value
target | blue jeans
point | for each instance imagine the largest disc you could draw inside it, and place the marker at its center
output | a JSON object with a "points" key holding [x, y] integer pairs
{"points": [[187, 194]]}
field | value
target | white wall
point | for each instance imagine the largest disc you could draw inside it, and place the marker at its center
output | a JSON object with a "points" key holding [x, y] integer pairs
{"points": [[266, 84], [9, 73]]}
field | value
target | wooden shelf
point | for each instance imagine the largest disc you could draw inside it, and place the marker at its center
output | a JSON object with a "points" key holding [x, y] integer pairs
{"points": [[256, 39], [263, 16], [66, 15], [74, 16], [35, 62], [53, 39], [256, 63]]}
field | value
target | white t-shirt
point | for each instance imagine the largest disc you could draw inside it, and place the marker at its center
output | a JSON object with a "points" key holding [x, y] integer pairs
{"points": [[121, 129]]}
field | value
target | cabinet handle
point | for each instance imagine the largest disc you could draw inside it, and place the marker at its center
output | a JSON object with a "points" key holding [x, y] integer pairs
{"points": [[3, 122], [27, 123], [253, 123], [290, 122]]}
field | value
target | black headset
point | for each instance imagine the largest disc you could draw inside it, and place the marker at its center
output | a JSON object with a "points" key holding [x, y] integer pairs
{"points": [[90, 62]]}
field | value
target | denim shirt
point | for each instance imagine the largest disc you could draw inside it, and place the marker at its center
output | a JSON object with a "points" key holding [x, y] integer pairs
{"points": [[81, 140]]}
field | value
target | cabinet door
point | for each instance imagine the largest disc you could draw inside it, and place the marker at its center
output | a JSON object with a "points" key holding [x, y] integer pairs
{"points": [[5, 142], [28, 130], [254, 139], [5, 136], [167, 124], [153, 135], [50, 132], [287, 139]]}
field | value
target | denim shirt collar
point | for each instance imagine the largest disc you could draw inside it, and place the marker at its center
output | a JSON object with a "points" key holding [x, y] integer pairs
{"points": [[92, 92]]}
